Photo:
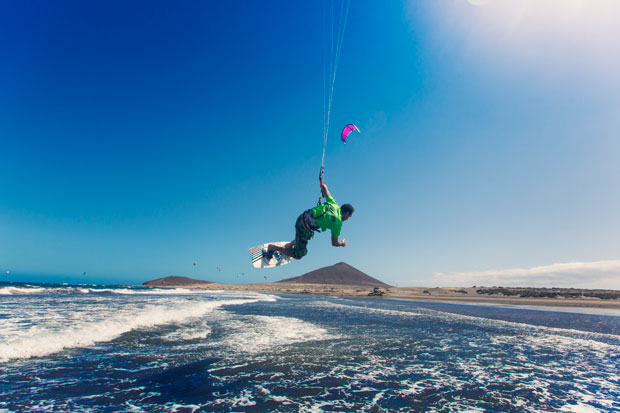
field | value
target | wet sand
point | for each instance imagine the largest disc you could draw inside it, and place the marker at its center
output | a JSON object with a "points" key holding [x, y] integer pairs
{"points": [[446, 295]]}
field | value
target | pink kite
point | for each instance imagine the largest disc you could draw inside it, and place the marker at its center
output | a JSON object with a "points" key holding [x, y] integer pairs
{"points": [[347, 131]]}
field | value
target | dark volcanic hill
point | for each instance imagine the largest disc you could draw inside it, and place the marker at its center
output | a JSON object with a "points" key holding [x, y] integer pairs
{"points": [[341, 274], [174, 280]]}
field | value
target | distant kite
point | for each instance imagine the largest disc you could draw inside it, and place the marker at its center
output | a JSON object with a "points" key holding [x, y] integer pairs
{"points": [[347, 131], [218, 269], [194, 263]]}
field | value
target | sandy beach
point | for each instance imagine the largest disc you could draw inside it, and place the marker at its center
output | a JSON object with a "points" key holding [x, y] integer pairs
{"points": [[451, 295]]}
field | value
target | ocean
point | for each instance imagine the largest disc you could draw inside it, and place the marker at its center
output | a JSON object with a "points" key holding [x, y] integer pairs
{"points": [[92, 348]]}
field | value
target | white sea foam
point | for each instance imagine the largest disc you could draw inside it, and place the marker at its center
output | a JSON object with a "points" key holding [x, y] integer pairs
{"points": [[578, 408], [18, 290], [82, 330], [567, 334], [514, 364], [525, 366], [28, 289], [149, 291], [368, 309], [256, 333], [280, 399], [175, 407], [200, 331], [244, 399]]}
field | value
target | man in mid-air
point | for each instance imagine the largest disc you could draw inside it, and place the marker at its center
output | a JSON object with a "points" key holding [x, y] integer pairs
{"points": [[324, 216]]}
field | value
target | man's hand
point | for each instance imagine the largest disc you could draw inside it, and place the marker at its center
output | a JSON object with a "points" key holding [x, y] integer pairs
{"points": [[324, 190], [337, 243]]}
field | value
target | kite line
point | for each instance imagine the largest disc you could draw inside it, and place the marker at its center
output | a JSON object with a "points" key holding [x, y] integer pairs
{"points": [[329, 79]]}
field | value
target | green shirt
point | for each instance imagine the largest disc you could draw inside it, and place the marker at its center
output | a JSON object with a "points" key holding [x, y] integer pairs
{"points": [[331, 216]]}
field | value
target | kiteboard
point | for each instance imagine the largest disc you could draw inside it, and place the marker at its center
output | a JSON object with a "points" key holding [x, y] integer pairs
{"points": [[273, 259]]}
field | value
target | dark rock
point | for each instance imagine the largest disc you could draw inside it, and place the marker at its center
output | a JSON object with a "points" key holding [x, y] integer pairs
{"points": [[174, 280], [376, 292]]}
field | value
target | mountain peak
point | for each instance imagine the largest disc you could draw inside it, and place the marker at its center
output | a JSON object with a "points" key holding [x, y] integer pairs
{"points": [[340, 274]]}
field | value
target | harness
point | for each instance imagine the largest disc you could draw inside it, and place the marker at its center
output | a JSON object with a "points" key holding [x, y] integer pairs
{"points": [[308, 220]]}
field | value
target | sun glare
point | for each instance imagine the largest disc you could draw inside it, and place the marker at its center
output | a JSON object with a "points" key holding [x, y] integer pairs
{"points": [[540, 35], [478, 2]]}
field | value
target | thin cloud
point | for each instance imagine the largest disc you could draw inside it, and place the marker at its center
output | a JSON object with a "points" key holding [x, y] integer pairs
{"points": [[597, 274]]}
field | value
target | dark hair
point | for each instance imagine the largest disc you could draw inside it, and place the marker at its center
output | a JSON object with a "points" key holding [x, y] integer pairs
{"points": [[347, 208]]}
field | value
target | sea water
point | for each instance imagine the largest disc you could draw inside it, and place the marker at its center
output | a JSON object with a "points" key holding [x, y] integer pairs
{"points": [[100, 348]]}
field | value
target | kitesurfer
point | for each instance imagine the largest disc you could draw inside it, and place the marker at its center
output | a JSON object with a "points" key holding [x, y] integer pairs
{"points": [[327, 215]]}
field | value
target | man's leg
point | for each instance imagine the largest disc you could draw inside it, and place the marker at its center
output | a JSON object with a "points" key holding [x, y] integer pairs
{"points": [[296, 248], [286, 250], [300, 248]]}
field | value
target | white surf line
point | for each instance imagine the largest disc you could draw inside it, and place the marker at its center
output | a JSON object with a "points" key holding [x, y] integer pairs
{"points": [[558, 309], [41, 342], [20, 290], [478, 319]]}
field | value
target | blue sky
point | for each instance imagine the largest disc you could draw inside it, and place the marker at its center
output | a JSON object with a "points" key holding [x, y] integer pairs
{"points": [[139, 137]]}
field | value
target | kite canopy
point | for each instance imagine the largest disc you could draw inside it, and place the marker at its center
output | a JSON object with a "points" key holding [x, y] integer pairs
{"points": [[347, 131]]}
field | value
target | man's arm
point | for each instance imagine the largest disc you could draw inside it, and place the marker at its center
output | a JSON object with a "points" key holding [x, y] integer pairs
{"points": [[324, 190], [337, 243]]}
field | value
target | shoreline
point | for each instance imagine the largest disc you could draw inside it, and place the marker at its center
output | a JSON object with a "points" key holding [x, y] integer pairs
{"points": [[440, 295]]}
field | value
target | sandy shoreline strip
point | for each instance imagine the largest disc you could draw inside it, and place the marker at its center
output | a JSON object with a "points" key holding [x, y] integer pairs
{"points": [[445, 295]]}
